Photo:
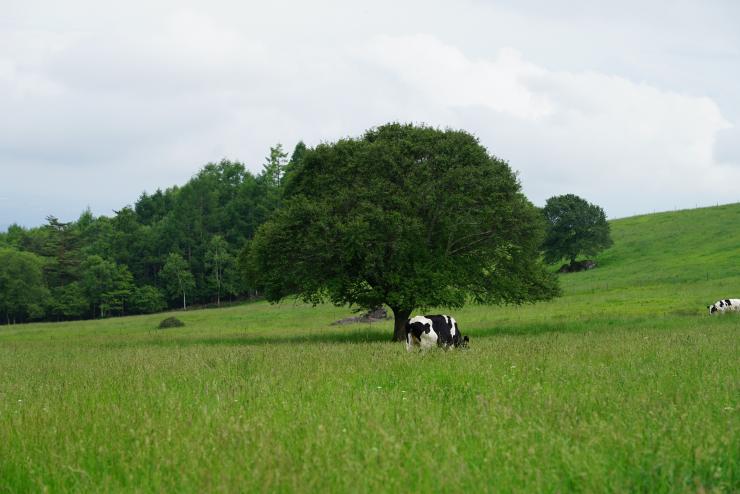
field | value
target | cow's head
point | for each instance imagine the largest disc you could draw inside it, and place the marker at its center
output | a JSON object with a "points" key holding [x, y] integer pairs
{"points": [[464, 342], [712, 308]]}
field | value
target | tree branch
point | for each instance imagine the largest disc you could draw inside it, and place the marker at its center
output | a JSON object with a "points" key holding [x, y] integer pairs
{"points": [[475, 237]]}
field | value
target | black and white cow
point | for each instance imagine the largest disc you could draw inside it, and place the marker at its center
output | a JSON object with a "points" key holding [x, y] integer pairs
{"points": [[724, 305], [428, 331]]}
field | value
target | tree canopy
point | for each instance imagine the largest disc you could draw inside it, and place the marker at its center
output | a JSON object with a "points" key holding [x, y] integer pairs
{"points": [[407, 216], [206, 221], [574, 227], [22, 289], [177, 277]]}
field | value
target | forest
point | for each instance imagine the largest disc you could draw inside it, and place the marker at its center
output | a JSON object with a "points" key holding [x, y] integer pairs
{"points": [[172, 248]]}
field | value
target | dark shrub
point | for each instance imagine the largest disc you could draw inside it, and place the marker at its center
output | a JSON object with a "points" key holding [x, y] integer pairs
{"points": [[171, 322]]}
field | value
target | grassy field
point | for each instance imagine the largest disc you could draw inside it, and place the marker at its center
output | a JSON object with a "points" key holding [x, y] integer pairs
{"points": [[624, 384]]}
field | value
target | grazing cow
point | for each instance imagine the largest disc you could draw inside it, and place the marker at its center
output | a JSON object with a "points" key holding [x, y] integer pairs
{"points": [[427, 331], [724, 305]]}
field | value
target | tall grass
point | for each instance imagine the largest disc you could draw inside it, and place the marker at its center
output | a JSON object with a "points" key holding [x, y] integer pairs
{"points": [[624, 384]]}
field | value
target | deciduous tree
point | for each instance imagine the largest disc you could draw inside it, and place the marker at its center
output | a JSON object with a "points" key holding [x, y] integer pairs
{"points": [[574, 227], [106, 285], [219, 261], [146, 300], [408, 216], [22, 288], [68, 302], [177, 277]]}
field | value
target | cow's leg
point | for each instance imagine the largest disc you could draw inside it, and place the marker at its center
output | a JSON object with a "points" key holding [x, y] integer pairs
{"points": [[428, 340], [413, 342]]}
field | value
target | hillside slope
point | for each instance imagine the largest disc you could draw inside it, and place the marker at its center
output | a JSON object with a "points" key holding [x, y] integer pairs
{"points": [[683, 246], [666, 264], [691, 251]]}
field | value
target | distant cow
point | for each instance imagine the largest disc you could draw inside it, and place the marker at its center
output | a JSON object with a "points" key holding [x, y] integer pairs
{"points": [[724, 305], [428, 331]]}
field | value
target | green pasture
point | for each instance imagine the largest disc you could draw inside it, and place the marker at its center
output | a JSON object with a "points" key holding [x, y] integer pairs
{"points": [[624, 384]]}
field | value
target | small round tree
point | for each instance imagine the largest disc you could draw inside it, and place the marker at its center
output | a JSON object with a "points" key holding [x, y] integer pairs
{"points": [[574, 227], [407, 216]]}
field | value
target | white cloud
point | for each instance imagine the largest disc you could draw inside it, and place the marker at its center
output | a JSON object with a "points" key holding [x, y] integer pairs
{"points": [[100, 101], [448, 78], [727, 147], [621, 143]]}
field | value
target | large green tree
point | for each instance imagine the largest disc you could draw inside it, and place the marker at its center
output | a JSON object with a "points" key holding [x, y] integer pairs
{"points": [[574, 227], [407, 216]]}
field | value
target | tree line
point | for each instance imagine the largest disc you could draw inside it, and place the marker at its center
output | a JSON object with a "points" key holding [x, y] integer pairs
{"points": [[411, 217], [172, 248]]}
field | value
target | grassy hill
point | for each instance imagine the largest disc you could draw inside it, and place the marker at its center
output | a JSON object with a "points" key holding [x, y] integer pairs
{"points": [[697, 249], [623, 384]]}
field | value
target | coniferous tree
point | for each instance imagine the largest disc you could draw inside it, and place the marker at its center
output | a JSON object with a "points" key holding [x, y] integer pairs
{"points": [[275, 165], [61, 248]]}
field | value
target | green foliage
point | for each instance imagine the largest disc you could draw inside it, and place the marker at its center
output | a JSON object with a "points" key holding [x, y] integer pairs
{"points": [[150, 209], [22, 289], [405, 216], [68, 302], [274, 166], [295, 160], [298, 152], [146, 300], [574, 227], [171, 322], [222, 266], [177, 278], [14, 236], [223, 199], [106, 285], [61, 248]]}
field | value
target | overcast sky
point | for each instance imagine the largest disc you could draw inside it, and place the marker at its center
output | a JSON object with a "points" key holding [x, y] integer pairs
{"points": [[633, 105]]}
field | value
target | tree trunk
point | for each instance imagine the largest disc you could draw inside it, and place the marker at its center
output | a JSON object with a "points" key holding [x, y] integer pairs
{"points": [[184, 307], [400, 316], [218, 285]]}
